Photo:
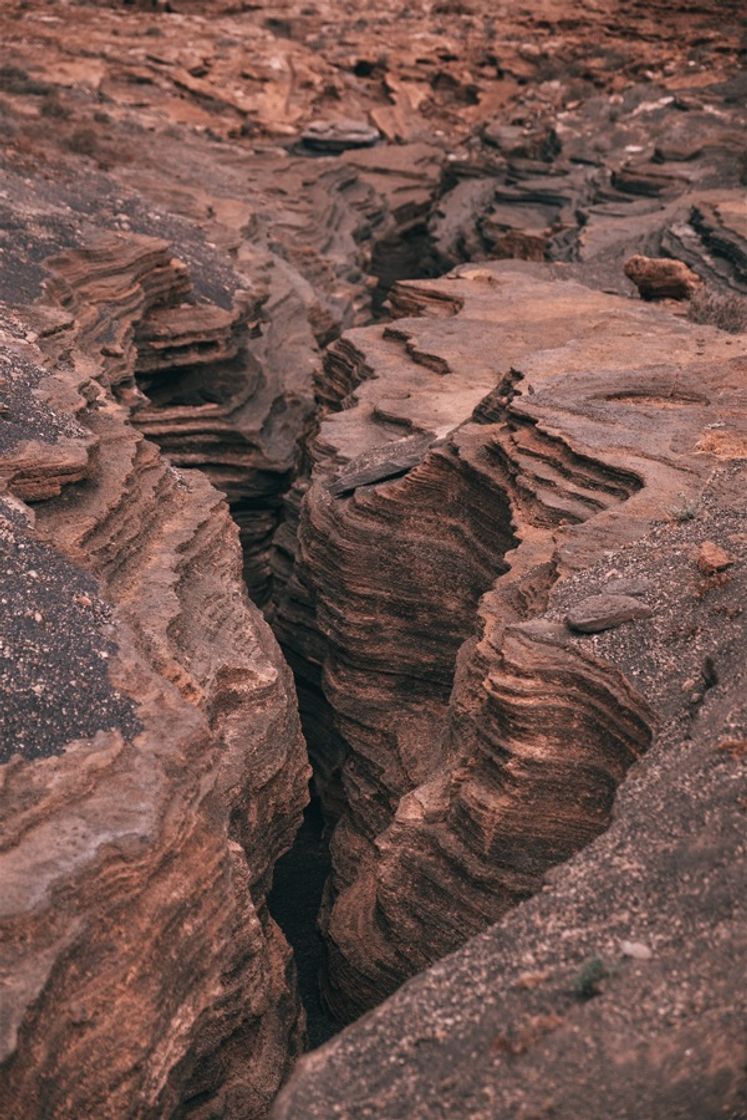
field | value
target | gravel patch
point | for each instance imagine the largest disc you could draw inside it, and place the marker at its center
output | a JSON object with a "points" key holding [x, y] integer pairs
{"points": [[54, 650]]}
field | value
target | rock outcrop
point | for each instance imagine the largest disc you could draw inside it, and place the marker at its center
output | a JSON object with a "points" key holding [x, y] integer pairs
{"points": [[486, 452], [266, 253], [493, 519], [612, 992], [648, 171], [154, 769], [488, 145]]}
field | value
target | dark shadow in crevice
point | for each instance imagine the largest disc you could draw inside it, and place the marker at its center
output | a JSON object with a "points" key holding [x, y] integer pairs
{"points": [[294, 903]]}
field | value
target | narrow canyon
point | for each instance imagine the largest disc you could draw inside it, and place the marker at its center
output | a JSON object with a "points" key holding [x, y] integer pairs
{"points": [[373, 553]]}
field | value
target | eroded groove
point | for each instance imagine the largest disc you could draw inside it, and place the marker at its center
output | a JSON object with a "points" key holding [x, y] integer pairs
{"points": [[468, 745], [491, 510]]}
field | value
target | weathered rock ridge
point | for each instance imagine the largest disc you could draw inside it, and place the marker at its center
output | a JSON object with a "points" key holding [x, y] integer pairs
{"points": [[614, 991], [470, 741], [154, 767]]}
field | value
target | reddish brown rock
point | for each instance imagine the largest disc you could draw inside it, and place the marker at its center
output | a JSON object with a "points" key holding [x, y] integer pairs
{"points": [[661, 278], [602, 612], [154, 770], [481, 459], [468, 742], [174, 260], [711, 558], [557, 1006]]}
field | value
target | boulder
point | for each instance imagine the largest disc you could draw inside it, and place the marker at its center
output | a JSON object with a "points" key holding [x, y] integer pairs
{"points": [[659, 278]]}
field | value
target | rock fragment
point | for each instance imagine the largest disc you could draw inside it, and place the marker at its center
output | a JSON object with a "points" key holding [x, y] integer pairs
{"points": [[636, 950], [603, 612], [628, 586], [711, 558], [661, 278], [337, 136]]}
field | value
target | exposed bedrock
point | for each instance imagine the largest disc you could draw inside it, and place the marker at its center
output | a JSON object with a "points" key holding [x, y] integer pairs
{"points": [[613, 991], [154, 769], [498, 536], [646, 170], [223, 366], [243, 263], [501, 133], [485, 452]]}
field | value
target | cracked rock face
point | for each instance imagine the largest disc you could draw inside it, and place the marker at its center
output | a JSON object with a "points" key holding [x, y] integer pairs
{"points": [[611, 993], [470, 740], [248, 257]]}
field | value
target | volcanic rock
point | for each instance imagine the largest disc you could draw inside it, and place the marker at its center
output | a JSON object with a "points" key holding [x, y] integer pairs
{"points": [[256, 257], [498, 1029], [711, 558], [580, 199]]}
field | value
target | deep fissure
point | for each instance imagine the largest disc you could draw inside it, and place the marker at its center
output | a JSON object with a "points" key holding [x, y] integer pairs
{"points": [[210, 369], [294, 902], [302, 877], [206, 373], [493, 517]]}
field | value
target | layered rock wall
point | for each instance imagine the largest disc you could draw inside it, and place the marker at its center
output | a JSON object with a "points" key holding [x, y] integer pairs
{"points": [[611, 992], [472, 744], [196, 201], [154, 767]]}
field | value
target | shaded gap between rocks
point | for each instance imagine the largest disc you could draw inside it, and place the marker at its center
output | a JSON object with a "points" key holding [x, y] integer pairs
{"points": [[294, 902], [300, 876], [410, 254]]}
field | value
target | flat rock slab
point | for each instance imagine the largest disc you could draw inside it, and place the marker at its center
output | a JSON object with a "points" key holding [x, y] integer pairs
{"points": [[391, 461], [603, 612], [336, 136]]}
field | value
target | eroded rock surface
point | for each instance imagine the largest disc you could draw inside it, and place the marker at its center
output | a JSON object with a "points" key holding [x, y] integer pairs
{"points": [[494, 142], [612, 992], [154, 769], [512, 438], [204, 207], [265, 252]]}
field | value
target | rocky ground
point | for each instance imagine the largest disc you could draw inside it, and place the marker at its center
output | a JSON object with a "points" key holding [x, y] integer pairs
{"points": [[426, 325]]}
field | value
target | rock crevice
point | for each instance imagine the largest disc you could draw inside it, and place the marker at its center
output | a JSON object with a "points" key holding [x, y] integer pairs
{"points": [[140, 834], [493, 518], [461, 738]]}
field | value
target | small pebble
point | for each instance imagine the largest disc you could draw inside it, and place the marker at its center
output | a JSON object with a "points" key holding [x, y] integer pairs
{"points": [[636, 949]]}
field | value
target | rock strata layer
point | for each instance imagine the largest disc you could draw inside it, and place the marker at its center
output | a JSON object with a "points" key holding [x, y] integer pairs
{"points": [[500, 133], [204, 206], [154, 769], [251, 256], [506, 433], [612, 992]]}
